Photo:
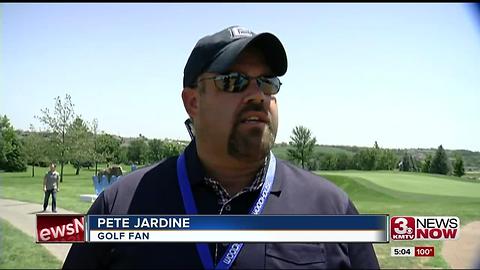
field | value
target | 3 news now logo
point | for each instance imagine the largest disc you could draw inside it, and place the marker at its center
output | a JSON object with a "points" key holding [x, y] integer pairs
{"points": [[424, 228]]}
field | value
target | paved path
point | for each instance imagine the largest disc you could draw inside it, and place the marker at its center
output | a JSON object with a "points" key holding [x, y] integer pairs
{"points": [[22, 215], [463, 252]]}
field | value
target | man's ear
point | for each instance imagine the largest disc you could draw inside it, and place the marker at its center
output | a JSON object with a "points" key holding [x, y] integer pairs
{"points": [[190, 101]]}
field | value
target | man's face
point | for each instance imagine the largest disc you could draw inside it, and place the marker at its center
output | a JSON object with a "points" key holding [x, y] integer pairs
{"points": [[52, 167], [242, 125]]}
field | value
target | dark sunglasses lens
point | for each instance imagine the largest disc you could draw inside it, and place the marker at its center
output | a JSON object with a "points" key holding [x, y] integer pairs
{"points": [[232, 83], [225, 83], [241, 82], [269, 86], [236, 82]]}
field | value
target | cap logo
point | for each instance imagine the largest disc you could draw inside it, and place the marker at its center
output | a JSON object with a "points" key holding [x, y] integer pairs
{"points": [[239, 32]]}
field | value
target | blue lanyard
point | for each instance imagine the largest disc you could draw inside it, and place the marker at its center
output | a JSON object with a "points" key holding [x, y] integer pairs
{"points": [[188, 201]]}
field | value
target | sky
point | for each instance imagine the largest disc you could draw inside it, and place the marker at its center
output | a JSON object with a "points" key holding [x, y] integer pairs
{"points": [[404, 75]]}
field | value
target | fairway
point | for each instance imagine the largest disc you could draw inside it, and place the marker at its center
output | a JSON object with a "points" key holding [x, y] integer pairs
{"points": [[417, 183], [421, 195]]}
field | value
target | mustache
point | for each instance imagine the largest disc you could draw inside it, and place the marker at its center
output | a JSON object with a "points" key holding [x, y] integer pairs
{"points": [[253, 107]]}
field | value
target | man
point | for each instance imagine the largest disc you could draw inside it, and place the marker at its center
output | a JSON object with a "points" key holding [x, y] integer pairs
{"points": [[230, 81], [50, 186]]}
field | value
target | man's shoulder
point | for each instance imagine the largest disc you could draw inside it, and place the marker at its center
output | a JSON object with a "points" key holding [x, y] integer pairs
{"points": [[118, 196], [162, 169]]}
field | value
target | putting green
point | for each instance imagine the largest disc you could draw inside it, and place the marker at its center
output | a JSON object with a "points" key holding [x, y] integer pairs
{"points": [[416, 183]]}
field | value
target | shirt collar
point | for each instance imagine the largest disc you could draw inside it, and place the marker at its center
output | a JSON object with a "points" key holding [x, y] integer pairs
{"points": [[222, 192], [196, 172]]}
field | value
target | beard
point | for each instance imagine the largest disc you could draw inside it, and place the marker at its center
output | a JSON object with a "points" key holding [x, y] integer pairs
{"points": [[254, 144]]}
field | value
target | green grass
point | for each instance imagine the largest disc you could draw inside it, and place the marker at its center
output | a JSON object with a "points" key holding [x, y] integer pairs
{"points": [[18, 250], [384, 193], [420, 183], [22, 186], [393, 193]]}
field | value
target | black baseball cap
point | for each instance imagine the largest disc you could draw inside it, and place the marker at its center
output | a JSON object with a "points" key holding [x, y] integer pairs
{"points": [[217, 53]]}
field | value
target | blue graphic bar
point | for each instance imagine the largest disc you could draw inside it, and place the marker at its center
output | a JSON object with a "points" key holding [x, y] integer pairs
{"points": [[238, 222]]}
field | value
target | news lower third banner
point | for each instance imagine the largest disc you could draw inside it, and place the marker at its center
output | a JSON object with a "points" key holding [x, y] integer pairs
{"points": [[213, 228]]}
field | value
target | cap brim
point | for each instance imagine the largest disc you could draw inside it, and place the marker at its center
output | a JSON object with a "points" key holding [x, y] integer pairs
{"points": [[269, 44]]}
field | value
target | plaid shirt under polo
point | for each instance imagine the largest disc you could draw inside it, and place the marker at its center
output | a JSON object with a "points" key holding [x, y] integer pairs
{"points": [[224, 196]]}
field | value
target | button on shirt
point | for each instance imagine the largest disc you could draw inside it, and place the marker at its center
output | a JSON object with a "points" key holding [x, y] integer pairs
{"points": [[224, 200], [224, 197]]}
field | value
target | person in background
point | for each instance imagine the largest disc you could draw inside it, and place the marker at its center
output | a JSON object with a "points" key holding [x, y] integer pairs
{"points": [[133, 167], [50, 186]]}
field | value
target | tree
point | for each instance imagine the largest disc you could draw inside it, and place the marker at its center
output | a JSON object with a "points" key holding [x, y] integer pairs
{"points": [[427, 163], [155, 150], [58, 123], [107, 147], [137, 150], [121, 155], [35, 148], [4, 125], [12, 152], [329, 162], [171, 149], [376, 154], [80, 141], [405, 165], [413, 164], [365, 159], [386, 160], [315, 162], [439, 162], [158, 150], [97, 157], [303, 144], [343, 161], [458, 169]]}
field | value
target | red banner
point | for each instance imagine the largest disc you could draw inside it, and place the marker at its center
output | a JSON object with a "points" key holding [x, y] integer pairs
{"points": [[60, 228]]}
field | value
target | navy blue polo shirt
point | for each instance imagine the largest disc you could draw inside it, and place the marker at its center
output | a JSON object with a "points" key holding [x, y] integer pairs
{"points": [[154, 190]]}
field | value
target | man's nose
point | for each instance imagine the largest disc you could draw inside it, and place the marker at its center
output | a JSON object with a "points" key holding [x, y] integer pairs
{"points": [[254, 94]]}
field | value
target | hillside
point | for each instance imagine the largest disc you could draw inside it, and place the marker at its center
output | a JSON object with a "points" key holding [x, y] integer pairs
{"points": [[471, 158]]}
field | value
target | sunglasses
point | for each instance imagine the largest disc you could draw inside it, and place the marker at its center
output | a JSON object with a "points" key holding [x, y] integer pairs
{"points": [[237, 82]]}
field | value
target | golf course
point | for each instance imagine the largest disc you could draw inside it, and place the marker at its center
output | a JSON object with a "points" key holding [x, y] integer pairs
{"points": [[410, 194], [378, 192]]}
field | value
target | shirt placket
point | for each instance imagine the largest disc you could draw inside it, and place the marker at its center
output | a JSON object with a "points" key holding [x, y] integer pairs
{"points": [[224, 199]]}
